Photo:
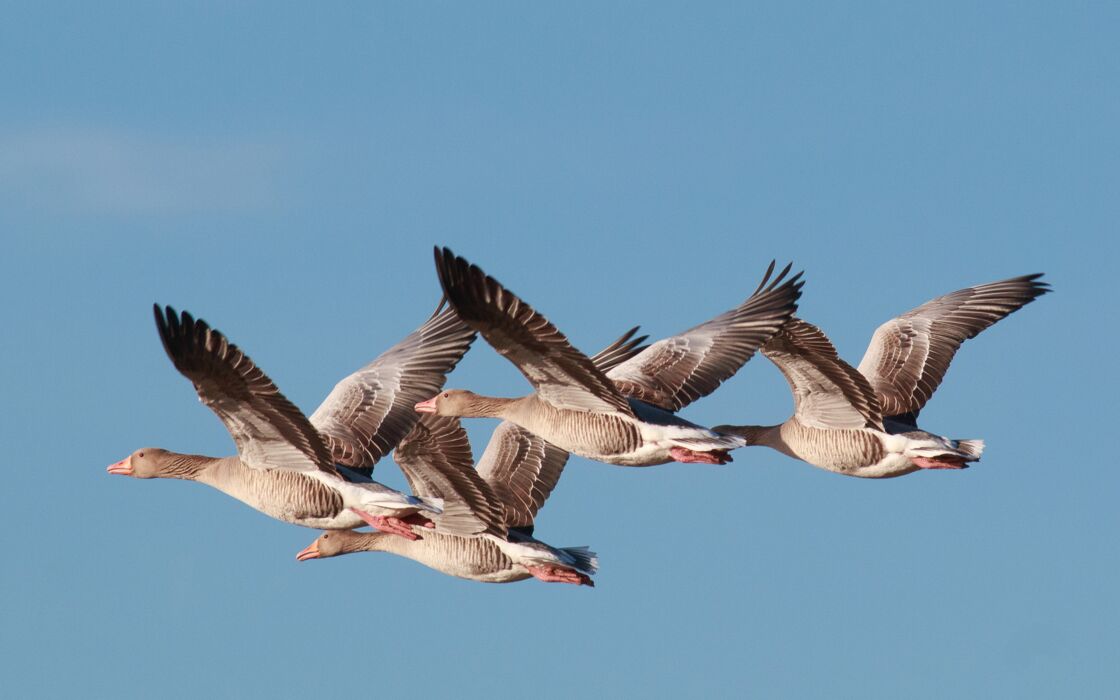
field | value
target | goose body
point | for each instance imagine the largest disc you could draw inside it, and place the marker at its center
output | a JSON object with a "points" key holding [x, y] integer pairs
{"points": [[625, 415], [310, 472], [863, 422], [486, 559], [863, 452], [288, 496], [472, 558], [645, 437]]}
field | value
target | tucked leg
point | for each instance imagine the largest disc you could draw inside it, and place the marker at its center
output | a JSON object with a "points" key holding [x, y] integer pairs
{"points": [[557, 574], [939, 462], [392, 525], [683, 454], [419, 520]]}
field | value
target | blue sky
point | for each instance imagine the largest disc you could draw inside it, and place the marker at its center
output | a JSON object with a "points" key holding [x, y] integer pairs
{"points": [[284, 170]]}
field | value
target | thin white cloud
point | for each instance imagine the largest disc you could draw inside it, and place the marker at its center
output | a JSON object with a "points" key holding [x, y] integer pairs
{"points": [[113, 172]]}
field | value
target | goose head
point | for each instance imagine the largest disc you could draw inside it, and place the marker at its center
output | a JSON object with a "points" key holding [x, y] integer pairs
{"points": [[335, 542], [145, 463], [157, 463], [453, 402]]}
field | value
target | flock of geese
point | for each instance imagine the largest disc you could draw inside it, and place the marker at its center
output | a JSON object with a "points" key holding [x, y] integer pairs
{"points": [[619, 406]]}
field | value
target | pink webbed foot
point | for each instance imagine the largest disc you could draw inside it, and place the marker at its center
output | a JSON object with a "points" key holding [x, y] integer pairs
{"points": [[419, 521], [939, 462], [557, 574], [391, 525], [683, 454]]}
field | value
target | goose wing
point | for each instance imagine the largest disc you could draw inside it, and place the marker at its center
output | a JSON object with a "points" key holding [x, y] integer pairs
{"points": [[621, 350], [270, 432], [560, 374], [909, 355], [370, 411], [437, 462], [522, 468], [674, 372], [827, 392]]}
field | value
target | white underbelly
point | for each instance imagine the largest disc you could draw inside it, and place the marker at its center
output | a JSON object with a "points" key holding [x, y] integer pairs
{"points": [[647, 455], [894, 464]]}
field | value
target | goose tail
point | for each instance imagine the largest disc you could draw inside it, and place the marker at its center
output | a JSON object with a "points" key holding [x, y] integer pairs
{"points": [[582, 559], [970, 449]]}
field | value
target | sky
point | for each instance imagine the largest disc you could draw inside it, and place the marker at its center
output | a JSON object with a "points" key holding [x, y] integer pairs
{"points": [[283, 171]]}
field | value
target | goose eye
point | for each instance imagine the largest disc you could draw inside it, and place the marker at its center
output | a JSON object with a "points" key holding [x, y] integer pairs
{"points": [[446, 394], [139, 454]]}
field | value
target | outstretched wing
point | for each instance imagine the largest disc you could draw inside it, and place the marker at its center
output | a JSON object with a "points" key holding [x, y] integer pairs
{"points": [[621, 350], [827, 392], [674, 372], [909, 355], [437, 462], [269, 430], [560, 374], [370, 411], [522, 468]]}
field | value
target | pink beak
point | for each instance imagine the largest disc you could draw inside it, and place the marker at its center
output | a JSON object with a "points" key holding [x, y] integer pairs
{"points": [[311, 552], [428, 406], [123, 467]]}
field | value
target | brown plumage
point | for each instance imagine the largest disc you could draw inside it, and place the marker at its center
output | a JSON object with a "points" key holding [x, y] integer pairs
{"points": [[436, 459], [863, 422], [675, 371], [909, 355], [622, 416], [827, 391], [370, 411], [285, 466], [473, 558], [561, 375], [513, 479], [523, 469]]}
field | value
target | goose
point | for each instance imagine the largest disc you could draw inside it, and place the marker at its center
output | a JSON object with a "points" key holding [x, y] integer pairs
{"points": [[315, 471], [625, 416], [863, 422], [515, 475]]}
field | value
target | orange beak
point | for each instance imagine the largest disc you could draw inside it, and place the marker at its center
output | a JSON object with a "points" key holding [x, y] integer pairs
{"points": [[428, 406], [123, 467], [312, 552]]}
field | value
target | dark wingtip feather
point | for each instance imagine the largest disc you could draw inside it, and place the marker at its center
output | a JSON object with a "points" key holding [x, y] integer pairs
{"points": [[621, 350], [182, 335], [439, 307], [452, 271], [782, 275], [467, 287], [1038, 287], [167, 327], [770, 282], [781, 291], [765, 277], [444, 258]]}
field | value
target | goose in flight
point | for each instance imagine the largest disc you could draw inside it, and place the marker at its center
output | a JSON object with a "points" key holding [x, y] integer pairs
{"points": [[864, 421], [309, 471], [624, 416]]}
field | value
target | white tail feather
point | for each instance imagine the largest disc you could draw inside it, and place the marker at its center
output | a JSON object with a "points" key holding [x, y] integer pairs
{"points": [[584, 560], [971, 449]]}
